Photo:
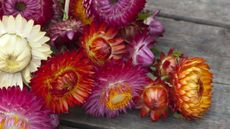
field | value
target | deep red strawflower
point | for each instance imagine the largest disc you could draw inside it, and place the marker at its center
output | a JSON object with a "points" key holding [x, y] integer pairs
{"points": [[154, 100], [23, 110], [64, 80], [115, 12], [118, 83], [100, 43], [41, 11]]}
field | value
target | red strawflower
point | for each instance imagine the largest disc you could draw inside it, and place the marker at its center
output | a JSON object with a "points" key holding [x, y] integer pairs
{"points": [[154, 100], [101, 44], [64, 80]]}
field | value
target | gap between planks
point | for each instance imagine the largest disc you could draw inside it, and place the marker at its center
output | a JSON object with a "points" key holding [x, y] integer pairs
{"points": [[194, 20]]}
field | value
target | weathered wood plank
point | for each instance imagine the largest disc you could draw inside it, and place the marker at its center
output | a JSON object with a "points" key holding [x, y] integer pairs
{"points": [[209, 42], [217, 118], [208, 10], [66, 127]]}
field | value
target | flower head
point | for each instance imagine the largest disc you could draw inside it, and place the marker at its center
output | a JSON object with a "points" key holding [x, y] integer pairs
{"points": [[117, 85], [40, 11], [77, 10], [22, 110], [22, 47], [64, 80], [154, 100], [65, 33], [167, 63], [101, 44], [139, 50], [115, 12], [192, 87], [155, 27]]}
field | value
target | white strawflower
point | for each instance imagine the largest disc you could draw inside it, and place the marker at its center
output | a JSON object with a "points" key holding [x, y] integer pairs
{"points": [[22, 47]]}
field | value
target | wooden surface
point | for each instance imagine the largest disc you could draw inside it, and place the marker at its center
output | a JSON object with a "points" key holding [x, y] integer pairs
{"points": [[198, 28]]}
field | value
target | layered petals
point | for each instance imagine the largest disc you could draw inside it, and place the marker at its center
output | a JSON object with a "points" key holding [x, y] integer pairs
{"points": [[154, 100], [23, 110], [192, 87], [117, 13], [40, 11], [64, 80], [140, 50], [22, 47], [100, 43], [118, 84]]}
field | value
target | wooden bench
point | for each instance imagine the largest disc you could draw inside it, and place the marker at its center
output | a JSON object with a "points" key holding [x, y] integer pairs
{"points": [[197, 28]]}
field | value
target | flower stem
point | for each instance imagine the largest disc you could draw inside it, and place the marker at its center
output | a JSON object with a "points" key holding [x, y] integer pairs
{"points": [[66, 10]]}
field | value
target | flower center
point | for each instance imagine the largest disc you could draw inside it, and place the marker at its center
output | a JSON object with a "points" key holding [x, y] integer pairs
{"points": [[12, 121], [15, 53], [119, 96], [200, 88], [113, 1], [64, 83], [100, 50], [20, 6]]}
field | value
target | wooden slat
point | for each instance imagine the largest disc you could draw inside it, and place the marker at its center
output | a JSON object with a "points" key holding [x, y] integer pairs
{"points": [[207, 10], [217, 118], [209, 42], [66, 127]]}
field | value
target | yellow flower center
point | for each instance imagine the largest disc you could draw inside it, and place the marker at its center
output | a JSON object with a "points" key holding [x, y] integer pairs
{"points": [[119, 96], [63, 82], [13, 121], [15, 53]]}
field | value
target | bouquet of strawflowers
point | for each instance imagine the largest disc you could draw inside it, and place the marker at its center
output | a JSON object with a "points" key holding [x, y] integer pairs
{"points": [[98, 54]]}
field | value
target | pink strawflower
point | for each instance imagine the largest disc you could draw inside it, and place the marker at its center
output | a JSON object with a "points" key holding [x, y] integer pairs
{"points": [[22, 110], [140, 49], [41, 11], [114, 12], [155, 27], [117, 85]]}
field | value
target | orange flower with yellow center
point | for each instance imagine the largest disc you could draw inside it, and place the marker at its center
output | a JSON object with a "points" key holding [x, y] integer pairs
{"points": [[77, 10], [64, 80], [101, 44], [192, 87]]}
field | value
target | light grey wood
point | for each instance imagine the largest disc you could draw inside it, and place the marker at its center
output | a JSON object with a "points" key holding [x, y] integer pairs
{"points": [[66, 127], [217, 118], [208, 10]]}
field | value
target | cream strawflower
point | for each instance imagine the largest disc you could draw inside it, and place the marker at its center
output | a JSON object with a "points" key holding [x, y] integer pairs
{"points": [[22, 47]]}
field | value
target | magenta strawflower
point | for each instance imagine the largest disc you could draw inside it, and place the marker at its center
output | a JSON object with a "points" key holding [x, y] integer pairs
{"points": [[65, 33], [117, 85], [41, 11], [22, 110], [140, 49], [155, 27], [115, 12]]}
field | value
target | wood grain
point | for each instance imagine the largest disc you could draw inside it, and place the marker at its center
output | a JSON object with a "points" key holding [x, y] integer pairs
{"points": [[217, 118], [213, 11]]}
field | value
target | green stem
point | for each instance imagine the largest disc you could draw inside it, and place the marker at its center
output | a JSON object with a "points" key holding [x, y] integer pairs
{"points": [[66, 10]]}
